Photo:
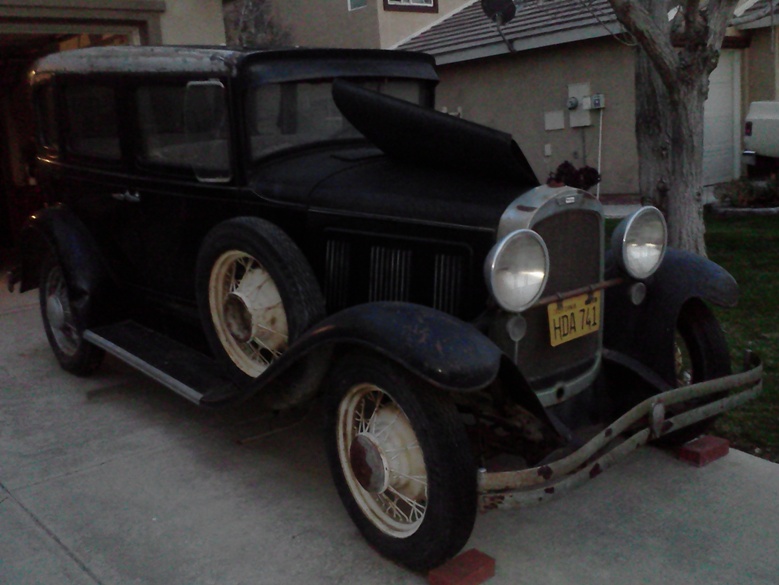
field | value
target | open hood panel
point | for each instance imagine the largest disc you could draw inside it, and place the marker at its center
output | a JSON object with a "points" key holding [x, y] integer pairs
{"points": [[424, 136]]}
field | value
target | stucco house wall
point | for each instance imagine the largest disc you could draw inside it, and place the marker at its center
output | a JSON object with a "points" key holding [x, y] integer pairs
{"points": [[329, 24], [760, 68], [192, 22], [394, 26], [372, 26], [515, 93]]}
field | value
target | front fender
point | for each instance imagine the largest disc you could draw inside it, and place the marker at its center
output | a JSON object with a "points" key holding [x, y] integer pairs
{"points": [[444, 351], [58, 230], [434, 346], [646, 332]]}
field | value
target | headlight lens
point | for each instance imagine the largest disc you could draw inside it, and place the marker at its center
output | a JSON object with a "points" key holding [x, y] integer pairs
{"points": [[640, 242], [516, 270]]}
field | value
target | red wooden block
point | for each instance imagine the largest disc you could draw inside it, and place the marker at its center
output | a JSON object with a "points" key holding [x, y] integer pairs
{"points": [[469, 568], [704, 450]]}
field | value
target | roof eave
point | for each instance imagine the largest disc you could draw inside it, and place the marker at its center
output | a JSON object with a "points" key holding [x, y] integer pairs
{"points": [[451, 55]]}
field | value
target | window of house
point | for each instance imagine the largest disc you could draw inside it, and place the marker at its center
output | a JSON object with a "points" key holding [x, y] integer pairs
{"points": [[355, 4], [412, 5], [92, 121]]}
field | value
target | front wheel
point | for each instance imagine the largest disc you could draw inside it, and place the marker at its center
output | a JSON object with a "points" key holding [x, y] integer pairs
{"points": [[63, 327], [700, 354], [401, 462]]}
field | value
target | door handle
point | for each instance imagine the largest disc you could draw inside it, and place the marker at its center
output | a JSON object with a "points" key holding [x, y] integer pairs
{"points": [[127, 196]]}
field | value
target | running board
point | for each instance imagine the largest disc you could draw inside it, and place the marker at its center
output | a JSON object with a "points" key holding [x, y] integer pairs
{"points": [[187, 372]]}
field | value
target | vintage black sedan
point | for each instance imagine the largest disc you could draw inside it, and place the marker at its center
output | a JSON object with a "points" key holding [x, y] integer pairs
{"points": [[302, 225]]}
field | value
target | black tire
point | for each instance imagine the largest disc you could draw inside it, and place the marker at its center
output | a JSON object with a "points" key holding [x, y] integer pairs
{"points": [[441, 510], [702, 354], [245, 327], [62, 324]]}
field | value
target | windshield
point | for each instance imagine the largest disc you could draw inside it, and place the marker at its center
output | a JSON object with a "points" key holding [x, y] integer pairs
{"points": [[286, 115]]}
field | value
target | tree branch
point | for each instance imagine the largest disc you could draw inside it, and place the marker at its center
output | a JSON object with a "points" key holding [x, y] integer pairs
{"points": [[720, 13], [652, 37]]}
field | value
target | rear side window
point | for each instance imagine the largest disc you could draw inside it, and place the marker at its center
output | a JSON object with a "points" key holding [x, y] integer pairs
{"points": [[185, 127], [92, 121]]}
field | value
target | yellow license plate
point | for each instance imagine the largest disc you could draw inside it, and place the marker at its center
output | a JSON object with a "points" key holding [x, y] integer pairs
{"points": [[574, 318]]}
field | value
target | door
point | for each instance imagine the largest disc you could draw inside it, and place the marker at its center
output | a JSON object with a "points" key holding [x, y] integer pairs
{"points": [[721, 122]]}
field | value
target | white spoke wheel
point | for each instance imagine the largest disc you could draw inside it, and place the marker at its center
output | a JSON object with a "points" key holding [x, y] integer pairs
{"points": [[700, 354], [401, 462], [256, 293], [62, 324], [247, 312]]}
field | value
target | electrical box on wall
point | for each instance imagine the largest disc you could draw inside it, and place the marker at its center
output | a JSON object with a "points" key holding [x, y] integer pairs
{"points": [[598, 101], [578, 116]]}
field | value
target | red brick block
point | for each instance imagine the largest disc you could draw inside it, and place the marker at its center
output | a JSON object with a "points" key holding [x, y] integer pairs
{"points": [[469, 568], [704, 450]]}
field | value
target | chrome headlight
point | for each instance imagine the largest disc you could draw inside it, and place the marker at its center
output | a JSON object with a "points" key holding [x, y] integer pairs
{"points": [[516, 270], [640, 241]]}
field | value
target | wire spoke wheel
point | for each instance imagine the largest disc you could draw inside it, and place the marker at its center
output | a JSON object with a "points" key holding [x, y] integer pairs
{"points": [[382, 460], [700, 353], [247, 312], [400, 460], [61, 322], [60, 313], [256, 294]]}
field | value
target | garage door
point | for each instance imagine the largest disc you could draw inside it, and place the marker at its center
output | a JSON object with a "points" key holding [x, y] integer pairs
{"points": [[721, 122]]}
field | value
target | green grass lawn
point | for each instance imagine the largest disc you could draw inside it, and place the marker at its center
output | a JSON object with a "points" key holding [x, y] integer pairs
{"points": [[749, 249]]}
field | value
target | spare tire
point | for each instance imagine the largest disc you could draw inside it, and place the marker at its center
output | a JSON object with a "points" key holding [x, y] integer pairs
{"points": [[256, 293]]}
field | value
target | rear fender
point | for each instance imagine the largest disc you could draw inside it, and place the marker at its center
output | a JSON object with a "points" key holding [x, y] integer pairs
{"points": [[57, 230], [646, 332]]}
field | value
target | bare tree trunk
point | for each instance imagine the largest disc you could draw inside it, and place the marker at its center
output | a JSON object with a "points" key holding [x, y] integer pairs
{"points": [[653, 134], [686, 228], [682, 46]]}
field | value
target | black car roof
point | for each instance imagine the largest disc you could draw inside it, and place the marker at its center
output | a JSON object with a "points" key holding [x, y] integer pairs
{"points": [[226, 61]]}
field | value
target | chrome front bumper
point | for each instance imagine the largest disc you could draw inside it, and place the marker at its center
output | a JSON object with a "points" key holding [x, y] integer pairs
{"points": [[646, 421]]}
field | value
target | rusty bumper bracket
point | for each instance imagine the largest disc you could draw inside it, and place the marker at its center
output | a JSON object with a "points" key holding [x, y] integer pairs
{"points": [[512, 489]]}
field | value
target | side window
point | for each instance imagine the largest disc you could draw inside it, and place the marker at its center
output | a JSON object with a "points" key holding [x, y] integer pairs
{"points": [[46, 118], [92, 121], [185, 127]]}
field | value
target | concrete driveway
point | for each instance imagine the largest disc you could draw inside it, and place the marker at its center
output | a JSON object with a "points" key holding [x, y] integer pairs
{"points": [[115, 480]]}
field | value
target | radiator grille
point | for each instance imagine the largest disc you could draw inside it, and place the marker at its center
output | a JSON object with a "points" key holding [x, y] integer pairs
{"points": [[574, 242]]}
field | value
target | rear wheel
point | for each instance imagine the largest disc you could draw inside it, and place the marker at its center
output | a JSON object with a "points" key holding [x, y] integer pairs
{"points": [[63, 327], [401, 462]]}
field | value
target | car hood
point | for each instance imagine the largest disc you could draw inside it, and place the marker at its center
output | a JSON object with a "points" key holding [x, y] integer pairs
{"points": [[422, 165], [363, 181]]}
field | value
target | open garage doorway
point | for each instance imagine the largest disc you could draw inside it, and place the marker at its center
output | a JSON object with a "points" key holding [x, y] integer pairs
{"points": [[33, 28], [19, 192]]}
